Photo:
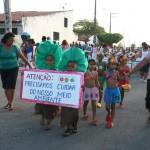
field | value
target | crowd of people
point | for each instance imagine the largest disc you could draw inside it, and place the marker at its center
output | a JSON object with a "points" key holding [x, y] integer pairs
{"points": [[106, 75]]}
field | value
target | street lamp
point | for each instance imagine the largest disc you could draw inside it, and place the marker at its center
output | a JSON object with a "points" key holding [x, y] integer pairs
{"points": [[110, 21]]}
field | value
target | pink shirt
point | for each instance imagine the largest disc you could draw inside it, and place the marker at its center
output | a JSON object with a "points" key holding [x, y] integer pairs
{"points": [[64, 47], [148, 57]]}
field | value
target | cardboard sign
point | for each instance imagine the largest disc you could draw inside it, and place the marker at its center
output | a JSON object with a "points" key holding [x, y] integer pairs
{"points": [[59, 88]]}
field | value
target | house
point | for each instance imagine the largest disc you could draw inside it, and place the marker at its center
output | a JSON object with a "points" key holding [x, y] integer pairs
{"points": [[58, 25]]}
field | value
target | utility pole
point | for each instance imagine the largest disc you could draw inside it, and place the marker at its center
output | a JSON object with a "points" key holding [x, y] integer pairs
{"points": [[110, 21], [7, 12], [94, 40]]}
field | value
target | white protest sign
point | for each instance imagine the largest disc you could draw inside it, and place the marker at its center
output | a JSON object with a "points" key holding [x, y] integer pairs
{"points": [[59, 88]]}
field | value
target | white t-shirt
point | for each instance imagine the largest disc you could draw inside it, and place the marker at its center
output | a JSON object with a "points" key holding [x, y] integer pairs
{"points": [[148, 57]]}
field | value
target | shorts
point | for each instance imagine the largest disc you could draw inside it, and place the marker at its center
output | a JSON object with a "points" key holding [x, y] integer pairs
{"points": [[9, 78], [112, 95], [91, 94], [147, 98], [145, 69]]}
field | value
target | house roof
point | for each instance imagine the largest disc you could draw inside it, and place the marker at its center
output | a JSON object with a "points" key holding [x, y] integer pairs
{"points": [[17, 16]]}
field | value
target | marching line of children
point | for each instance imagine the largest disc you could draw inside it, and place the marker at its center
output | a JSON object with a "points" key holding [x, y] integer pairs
{"points": [[106, 75]]}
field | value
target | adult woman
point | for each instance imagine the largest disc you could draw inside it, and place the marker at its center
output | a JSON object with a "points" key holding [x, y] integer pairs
{"points": [[9, 54], [145, 61]]}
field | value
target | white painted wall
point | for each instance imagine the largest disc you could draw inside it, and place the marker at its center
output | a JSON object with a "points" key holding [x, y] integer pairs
{"points": [[45, 25]]}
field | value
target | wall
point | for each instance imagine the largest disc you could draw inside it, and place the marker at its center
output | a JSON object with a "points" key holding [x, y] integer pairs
{"points": [[39, 26]]}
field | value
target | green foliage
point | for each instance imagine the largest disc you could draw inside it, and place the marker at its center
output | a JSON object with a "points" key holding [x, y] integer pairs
{"points": [[109, 38], [87, 27], [133, 45]]}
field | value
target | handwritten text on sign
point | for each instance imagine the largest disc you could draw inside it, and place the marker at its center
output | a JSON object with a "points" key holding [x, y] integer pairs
{"points": [[52, 87]]}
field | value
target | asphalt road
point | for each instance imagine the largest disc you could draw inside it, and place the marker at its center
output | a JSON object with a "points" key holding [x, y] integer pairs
{"points": [[20, 129]]}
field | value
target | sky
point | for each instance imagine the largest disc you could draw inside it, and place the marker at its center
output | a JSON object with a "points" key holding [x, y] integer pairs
{"points": [[131, 18]]}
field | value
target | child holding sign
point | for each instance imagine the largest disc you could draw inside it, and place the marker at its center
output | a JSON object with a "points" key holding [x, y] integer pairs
{"points": [[70, 116], [91, 92], [73, 59], [47, 58]]}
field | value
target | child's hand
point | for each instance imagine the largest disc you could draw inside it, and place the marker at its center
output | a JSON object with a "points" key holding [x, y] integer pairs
{"points": [[100, 91], [127, 76]]}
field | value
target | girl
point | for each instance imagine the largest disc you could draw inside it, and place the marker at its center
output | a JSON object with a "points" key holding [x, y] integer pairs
{"points": [[70, 116], [47, 58], [112, 93], [73, 59], [122, 69], [91, 91], [101, 68]]}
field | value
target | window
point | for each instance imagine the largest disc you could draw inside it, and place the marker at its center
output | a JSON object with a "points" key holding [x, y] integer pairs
{"points": [[2, 31], [66, 22], [56, 36], [14, 31]]}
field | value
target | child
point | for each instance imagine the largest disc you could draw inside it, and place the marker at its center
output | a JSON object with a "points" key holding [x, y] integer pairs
{"points": [[101, 68], [47, 57], [123, 69], [70, 116], [112, 93], [73, 59], [91, 92], [48, 112]]}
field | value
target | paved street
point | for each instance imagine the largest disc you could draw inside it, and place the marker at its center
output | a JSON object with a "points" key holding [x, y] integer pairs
{"points": [[20, 129]]}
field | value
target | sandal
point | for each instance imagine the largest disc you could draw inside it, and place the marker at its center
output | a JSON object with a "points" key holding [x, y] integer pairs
{"points": [[7, 106], [99, 105], [85, 117], [67, 132], [94, 121], [10, 107]]}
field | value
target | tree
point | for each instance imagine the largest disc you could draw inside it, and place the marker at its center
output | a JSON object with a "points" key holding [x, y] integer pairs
{"points": [[109, 38], [86, 27]]}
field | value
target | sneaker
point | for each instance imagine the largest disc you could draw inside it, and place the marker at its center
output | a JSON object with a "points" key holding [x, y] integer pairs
{"points": [[108, 118], [94, 121], [144, 81], [99, 105], [67, 132], [109, 124], [85, 117]]}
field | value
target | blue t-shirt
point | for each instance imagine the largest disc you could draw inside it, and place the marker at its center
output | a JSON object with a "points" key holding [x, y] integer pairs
{"points": [[8, 58]]}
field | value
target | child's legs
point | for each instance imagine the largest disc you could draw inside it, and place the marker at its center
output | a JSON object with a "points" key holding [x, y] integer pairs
{"points": [[48, 126], [122, 94], [93, 103], [141, 74], [85, 104], [112, 111], [108, 108], [145, 76], [42, 122]]}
